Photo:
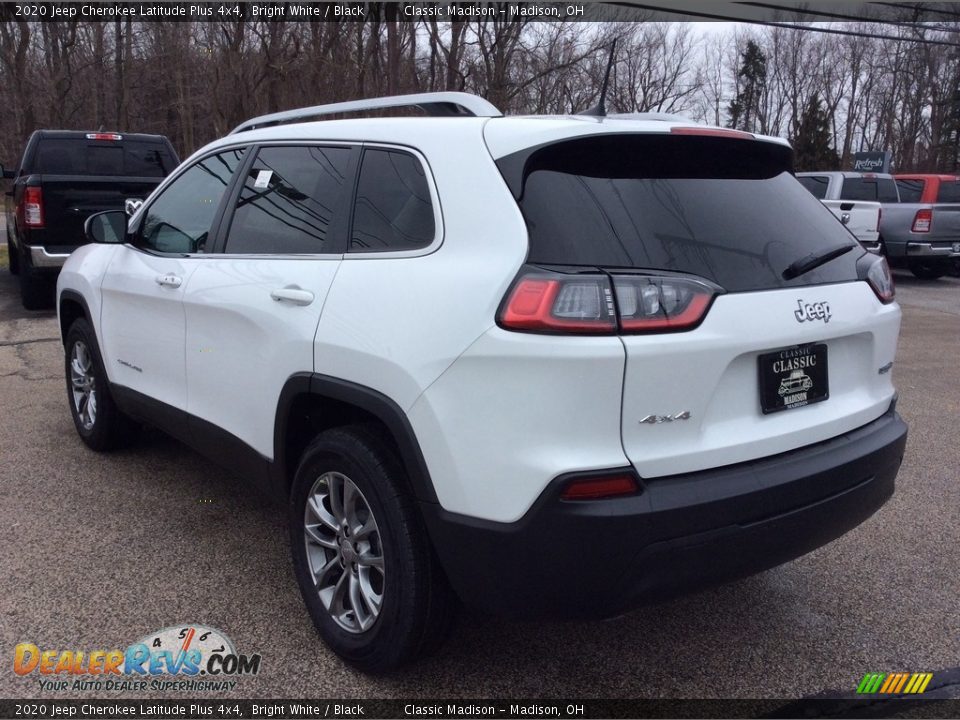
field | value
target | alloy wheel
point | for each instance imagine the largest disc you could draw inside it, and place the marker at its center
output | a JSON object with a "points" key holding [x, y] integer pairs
{"points": [[83, 385], [344, 552]]}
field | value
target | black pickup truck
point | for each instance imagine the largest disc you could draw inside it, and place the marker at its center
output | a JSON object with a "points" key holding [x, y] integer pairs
{"points": [[64, 177]]}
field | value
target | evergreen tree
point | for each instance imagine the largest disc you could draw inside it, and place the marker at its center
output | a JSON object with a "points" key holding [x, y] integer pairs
{"points": [[811, 147], [745, 107]]}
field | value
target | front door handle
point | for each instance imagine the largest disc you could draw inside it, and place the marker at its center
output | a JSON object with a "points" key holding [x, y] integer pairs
{"points": [[169, 280], [292, 294]]}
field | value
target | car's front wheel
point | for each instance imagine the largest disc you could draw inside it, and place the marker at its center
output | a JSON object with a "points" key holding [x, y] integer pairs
{"points": [[98, 420], [361, 554]]}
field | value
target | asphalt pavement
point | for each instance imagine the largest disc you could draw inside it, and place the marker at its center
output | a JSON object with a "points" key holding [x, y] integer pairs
{"points": [[100, 550]]}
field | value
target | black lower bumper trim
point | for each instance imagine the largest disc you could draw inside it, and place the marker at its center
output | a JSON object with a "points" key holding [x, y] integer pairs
{"points": [[601, 558]]}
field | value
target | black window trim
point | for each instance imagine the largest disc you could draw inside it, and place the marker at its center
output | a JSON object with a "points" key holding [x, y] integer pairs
{"points": [[439, 231], [182, 169]]}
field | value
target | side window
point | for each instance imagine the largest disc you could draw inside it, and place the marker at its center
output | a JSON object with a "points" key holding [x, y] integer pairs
{"points": [[949, 192], [292, 201], [179, 220], [859, 189], [393, 209], [910, 190], [816, 184], [887, 191]]}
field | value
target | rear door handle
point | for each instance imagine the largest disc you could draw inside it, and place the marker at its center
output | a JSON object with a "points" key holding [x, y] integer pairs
{"points": [[293, 295], [169, 280]]}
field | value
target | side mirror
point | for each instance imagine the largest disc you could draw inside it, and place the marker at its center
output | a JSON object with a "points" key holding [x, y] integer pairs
{"points": [[7, 174], [106, 227]]}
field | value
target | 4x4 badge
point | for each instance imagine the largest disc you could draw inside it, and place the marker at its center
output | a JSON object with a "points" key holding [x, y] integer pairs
{"points": [[812, 311], [657, 419]]}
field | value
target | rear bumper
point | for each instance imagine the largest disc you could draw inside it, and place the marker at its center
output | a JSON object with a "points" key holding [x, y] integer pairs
{"points": [[682, 533], [934, 250], [41, 257]]}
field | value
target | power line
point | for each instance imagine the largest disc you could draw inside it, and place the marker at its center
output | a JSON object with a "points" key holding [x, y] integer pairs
{"points": [[788, 26], [914, 7], [823, 13]]}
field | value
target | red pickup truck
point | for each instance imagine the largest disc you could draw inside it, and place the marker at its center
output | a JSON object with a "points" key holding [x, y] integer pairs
{"points": [[928, 188]]}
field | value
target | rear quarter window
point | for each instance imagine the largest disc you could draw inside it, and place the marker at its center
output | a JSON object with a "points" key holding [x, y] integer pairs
{"points": [[393, 208]]}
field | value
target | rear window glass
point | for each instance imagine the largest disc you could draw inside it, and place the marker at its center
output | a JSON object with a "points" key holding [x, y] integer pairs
{"points": [[79, 156], [727, 210], [910, 190], [949, 191], [816, 184], [871, 189]]}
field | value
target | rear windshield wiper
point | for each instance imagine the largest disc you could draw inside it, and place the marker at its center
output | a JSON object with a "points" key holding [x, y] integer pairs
{"points": [[814, 260]]}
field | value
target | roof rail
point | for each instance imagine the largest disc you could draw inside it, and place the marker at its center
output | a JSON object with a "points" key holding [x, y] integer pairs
{"points": [[448, 104]]}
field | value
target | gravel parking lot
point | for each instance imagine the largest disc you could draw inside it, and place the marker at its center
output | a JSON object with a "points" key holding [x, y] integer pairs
{"points": [[102, 549]]}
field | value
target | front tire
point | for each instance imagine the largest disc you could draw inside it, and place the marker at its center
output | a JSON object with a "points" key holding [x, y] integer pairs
{"points": [[99, 422], [361, 554]]}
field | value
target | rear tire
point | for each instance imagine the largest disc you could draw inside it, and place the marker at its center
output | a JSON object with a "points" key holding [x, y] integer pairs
{"points": [[926, 271], [36, 291], [96, 416], [13, 258], [361, 555]]}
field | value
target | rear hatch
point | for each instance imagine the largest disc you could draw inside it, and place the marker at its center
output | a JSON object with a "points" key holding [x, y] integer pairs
{"points": [[741, 353], [90, 173]]}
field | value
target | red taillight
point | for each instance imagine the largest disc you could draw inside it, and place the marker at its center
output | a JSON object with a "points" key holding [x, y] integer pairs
{"points": [[600, 487], [584, 304], [574, 304], [922, 221], [32, 207], [104, 136]]}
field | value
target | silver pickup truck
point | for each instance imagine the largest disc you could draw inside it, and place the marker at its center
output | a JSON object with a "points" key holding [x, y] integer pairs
{"points": [[922, 231], [919, 218], [856, 206]]}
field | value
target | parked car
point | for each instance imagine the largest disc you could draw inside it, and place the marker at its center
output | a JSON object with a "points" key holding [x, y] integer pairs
{"points": [[533, 363], [854, 198], [63, 177], [933, 247]]}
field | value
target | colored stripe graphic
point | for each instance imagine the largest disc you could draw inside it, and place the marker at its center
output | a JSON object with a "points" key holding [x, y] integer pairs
{"points": [[894, 683], [871, 683]]}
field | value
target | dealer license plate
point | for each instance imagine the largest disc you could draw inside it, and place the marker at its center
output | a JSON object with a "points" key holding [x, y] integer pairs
{"points": [[793, 377]]}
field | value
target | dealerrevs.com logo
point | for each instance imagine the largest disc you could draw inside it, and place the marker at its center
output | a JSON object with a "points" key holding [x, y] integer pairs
{"points": [[188, 657]]}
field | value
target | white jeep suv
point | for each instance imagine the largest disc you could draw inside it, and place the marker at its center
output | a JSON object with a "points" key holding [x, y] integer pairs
{"points": [[532, 362]]}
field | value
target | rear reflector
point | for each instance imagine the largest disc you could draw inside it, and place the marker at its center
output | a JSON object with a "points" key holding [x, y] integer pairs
{"points": [[922, 221], [712, 132], [601, 487], [33, 207], [104, 136]]}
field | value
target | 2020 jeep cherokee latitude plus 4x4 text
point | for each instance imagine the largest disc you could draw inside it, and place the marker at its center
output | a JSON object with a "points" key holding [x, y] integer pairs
{"points": [[533, 362]]}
